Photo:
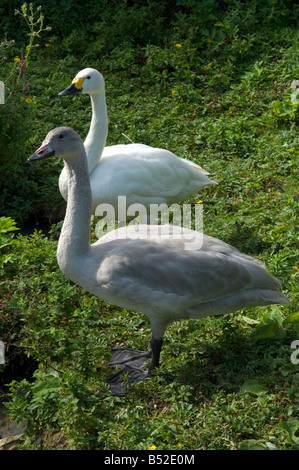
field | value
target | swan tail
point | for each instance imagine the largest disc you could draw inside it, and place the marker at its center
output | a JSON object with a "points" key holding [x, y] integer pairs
{"points": [[245, 299]]}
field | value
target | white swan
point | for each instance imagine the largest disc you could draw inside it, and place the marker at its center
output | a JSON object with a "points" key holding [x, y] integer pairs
{"points": [[149, 268], [143, 174]]}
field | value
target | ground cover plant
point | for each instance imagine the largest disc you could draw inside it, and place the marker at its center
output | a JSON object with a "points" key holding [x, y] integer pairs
{"points": [[212, 82]]}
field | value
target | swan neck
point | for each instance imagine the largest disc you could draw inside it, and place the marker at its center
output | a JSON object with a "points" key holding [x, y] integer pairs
{"points": [[97, 135], [75, 235]]}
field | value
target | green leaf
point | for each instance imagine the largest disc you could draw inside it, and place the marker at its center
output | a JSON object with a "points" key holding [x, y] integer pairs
{"points": [[252, 444], [252, 386], [291, 426], [7, 224], [250, 321], [270, 330], [291, 319], [46, 386], [276, 105]]}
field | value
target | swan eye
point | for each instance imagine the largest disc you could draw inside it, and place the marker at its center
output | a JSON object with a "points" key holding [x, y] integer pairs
{"points": [[88, 77], [61, 136]]}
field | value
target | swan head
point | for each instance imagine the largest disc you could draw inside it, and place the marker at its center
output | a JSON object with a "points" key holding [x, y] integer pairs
{"points": [[62, 142], [88, 81]]}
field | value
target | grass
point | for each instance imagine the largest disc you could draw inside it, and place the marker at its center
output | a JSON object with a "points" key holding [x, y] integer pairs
{"points": [[224, 383]]}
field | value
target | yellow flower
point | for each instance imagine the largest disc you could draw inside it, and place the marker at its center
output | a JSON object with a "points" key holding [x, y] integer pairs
{"points": [[178, 45], [28, 100], [152, 448], [164, 71], [209, 64], [199, 202], [173, 92], [85, 299], [47, 45], [17, 59], [178, 444], [24, 6]]}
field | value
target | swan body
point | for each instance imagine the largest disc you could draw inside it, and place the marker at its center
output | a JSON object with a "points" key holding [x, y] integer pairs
{"points": [[151, 269], [144, 174]]}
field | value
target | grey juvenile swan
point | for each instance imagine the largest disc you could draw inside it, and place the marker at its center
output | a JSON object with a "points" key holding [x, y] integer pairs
{"points": [[166, 272]]}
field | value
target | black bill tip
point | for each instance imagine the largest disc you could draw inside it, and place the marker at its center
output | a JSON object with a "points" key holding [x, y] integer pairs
{"points": [[40, 154], [70, 90]]}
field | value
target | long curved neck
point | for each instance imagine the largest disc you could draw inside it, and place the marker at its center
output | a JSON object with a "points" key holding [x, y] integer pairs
{"points": [[74, 239], [96, 138]]}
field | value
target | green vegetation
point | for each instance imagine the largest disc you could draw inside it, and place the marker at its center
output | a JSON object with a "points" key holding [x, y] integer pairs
{"points": [[211, 81]]}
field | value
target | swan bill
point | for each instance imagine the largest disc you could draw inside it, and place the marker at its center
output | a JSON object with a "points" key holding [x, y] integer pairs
{"points": [[70, 90], [40, 154]]}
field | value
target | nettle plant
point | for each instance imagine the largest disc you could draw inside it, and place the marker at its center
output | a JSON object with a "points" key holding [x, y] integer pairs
{"points": [[17, 117]]}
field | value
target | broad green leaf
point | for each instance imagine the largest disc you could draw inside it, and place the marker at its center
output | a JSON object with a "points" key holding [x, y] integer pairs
{"points": [[44, 387], [252, 386], [252, 444], [269, 331], [250, 321], [276, 105], [293, 318], [291, 426]]}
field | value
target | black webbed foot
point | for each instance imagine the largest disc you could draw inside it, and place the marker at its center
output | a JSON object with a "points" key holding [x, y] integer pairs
{"points": [[133, 365], [133, 362]]}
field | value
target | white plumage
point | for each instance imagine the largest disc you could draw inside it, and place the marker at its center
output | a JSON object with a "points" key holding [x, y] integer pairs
{"points": [[149, 268], [144, 174]]}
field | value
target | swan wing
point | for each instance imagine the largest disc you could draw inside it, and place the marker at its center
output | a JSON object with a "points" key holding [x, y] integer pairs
{"points": [[145, 175], [168, 281], [130, 149]]}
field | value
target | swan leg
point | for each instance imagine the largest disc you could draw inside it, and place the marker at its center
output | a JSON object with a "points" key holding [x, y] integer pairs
{"points": [[156, 346]]}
